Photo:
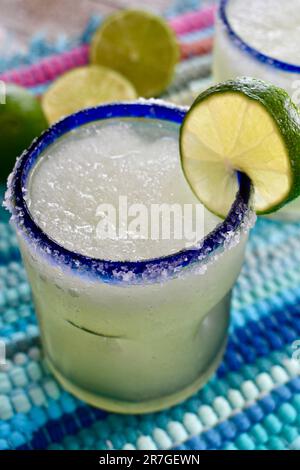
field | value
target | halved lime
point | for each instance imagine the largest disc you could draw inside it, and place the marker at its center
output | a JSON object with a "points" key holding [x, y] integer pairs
{"points": [[245, 125], [84, 87], [139, 45]]}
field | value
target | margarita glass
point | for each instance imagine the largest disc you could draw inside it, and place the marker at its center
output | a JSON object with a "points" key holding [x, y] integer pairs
{"points": [[129, 336], [260, 39]]}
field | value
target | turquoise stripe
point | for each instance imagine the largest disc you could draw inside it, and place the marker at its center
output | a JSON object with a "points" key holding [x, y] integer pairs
{"points": [[273, 423]]}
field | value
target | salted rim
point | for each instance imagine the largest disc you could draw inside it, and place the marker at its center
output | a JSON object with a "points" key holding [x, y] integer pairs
{"points": [[151, 270], [244, 46]]}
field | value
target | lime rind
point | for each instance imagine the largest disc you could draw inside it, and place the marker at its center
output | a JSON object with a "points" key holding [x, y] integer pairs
{"points": [[21, 120]]}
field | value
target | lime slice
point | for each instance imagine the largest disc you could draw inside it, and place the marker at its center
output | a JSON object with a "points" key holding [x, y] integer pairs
{"points": [[245, 125], [139, 45], [84, 87], [21, 120]]}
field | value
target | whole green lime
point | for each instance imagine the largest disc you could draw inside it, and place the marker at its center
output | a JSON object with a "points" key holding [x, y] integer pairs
{"points": [[21, 120]]}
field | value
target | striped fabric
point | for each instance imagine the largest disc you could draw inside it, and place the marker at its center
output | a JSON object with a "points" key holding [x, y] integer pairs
{"points": [[195, 36], [252, 402]]}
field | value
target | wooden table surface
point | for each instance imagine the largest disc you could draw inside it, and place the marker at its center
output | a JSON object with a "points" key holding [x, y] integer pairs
{"points": [[21, 19]]}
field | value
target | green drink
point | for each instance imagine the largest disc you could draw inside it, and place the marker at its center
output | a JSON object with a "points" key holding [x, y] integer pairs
{"points": [[128, 323]]}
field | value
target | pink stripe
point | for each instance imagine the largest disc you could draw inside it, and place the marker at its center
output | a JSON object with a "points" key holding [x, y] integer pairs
{"points": [[52, 67], [47, 69], [194, 21]]}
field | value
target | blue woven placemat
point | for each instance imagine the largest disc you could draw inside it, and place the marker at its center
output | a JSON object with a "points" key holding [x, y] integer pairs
{"points": [[252, 402]]}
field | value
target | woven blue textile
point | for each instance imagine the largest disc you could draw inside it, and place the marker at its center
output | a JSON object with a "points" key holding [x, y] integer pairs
{"points": [[252, 402]]}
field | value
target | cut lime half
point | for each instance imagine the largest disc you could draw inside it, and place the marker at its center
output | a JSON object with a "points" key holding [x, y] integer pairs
{"points": [[139, 45], [244, 125], [84, 87]]}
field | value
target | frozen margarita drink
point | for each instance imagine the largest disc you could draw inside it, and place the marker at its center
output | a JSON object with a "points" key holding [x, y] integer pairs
{"points": [[133, 317]]}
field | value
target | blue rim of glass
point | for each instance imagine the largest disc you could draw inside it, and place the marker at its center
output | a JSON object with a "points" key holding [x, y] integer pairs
{"points": [[256, 54], [107, 270]]}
